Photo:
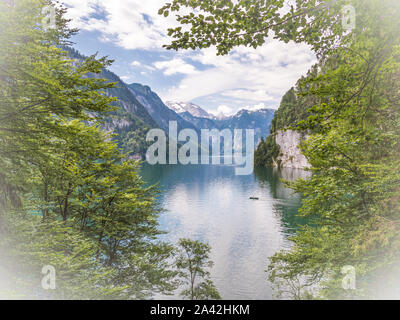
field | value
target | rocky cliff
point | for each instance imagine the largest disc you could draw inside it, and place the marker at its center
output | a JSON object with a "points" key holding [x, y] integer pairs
{"points": [[281, 147], [290, 154]]}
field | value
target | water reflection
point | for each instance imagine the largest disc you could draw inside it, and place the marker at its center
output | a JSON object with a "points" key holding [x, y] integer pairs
{"points": [[210, 203], [286, 202]]}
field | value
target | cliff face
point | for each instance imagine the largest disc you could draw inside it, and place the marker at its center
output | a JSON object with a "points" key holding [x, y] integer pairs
{"points": [[281, 148], [290, 154]]}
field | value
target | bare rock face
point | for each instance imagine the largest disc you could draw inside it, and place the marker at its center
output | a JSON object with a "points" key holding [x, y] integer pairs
{"points": [[291, 156]]}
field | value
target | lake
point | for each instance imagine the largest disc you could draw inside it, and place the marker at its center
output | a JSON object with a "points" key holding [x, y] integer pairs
{"points": [[212, 204]]}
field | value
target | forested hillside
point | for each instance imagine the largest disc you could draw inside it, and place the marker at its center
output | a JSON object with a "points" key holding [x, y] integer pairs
{"points": [[157, 109], [130, 120], [294, 109]]}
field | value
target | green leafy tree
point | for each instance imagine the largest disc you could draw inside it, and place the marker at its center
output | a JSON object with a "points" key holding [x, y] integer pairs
{"points": [[193, 262], [227, 24], [267, 152], [353, 152], [63, 178], [353, 194]]}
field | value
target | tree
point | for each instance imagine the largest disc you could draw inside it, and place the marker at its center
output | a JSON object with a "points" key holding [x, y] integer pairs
{"points": [[193, 262], [63, 178], [353, 194], [29, 244], [267, 152], [227, 24]]}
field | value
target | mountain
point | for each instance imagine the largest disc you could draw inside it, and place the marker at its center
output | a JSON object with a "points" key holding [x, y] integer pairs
{"points": [[200, 123], [140, 109], [131, 121], [259, 120], [193, 109], [157, 109], [126, 99]]}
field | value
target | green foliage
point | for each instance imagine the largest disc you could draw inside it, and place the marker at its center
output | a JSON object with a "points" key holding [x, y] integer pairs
{"points": [[193, 262], [351, 112], [69, 197], [130, 121], [295, 107], [267, 152], [227, 24], [132, 138], [354, 156]]}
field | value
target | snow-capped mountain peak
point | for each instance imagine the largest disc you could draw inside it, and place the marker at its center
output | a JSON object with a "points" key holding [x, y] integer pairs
{"points": [[193, 109]]}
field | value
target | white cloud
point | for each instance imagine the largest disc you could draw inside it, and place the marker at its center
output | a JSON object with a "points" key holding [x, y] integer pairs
{"points": [[224, 110], [131, 24], [175, 66], [246, 74], [125, 78], [256, 107], [138, 64], [257, 95], [135, 63], [262, 74]]}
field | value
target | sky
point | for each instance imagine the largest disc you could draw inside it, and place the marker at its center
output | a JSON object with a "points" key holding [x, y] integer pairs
{"points": [[133, 34]]}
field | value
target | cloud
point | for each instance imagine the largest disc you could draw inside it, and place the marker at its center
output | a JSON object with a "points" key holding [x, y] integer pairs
{"points": [[257, 95], [262, 74], [131, 24], [175, 66], [246, 76], [224, 110], [135, 63]]}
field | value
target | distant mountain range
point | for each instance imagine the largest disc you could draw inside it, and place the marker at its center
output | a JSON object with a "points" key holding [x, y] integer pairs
{"points": [[140, 109], [194, 110], [157, 109], [259, 120], [192, 116]]}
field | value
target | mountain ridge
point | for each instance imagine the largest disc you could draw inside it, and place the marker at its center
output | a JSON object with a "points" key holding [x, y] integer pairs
{"points": [[259, 120], [130, 121], [157, 109], [193, 109], [141, 109]]}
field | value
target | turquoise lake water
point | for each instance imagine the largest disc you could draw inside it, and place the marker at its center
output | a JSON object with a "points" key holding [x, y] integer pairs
{"points": [[212, 204]]}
